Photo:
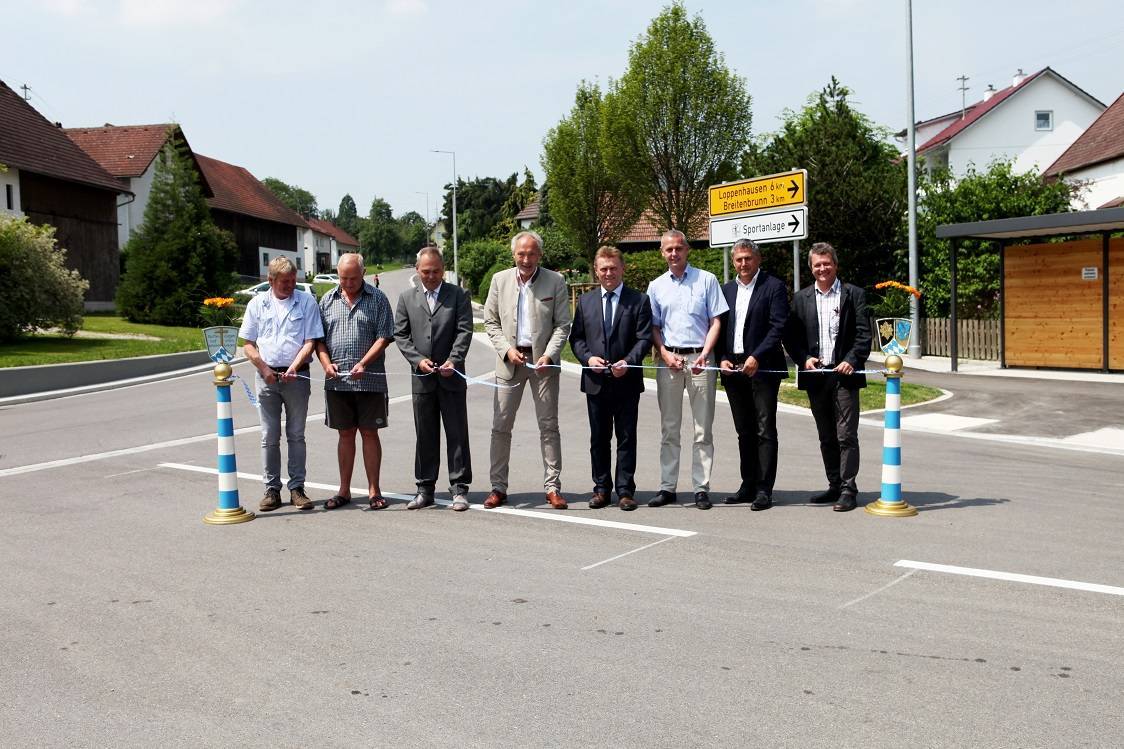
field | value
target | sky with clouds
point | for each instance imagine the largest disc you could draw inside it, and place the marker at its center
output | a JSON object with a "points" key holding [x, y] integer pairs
{"points": [[351, 96]]}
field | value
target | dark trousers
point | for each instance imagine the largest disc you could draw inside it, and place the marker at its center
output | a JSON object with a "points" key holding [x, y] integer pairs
{"points": [[753, 404], [430, 411], [836, 409], [612, 410]]}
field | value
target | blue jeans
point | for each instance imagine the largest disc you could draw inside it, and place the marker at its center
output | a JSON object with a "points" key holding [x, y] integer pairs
{"points": [[293, 396]]}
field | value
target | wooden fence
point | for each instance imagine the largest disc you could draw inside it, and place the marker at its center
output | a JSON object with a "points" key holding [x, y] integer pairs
{"points": [[977, 339]]}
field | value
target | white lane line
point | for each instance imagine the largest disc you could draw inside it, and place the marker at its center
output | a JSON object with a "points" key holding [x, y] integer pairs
{"points": [[1012, 577], [618, 556], [31, 468], [554, 515], [879, 590], [126, 473]]}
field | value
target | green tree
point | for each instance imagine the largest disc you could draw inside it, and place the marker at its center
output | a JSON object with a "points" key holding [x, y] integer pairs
{"points": [[37, 290], [297, 198], [856, 184], [177, 257], [977, 196], [677, 121], [484, 204], [347, 218], [379, 237], [592, 204], [413, 234]]}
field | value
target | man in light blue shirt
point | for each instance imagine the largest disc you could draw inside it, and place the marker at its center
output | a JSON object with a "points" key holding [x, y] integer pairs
{"points": [[686, 305], [280, 328]]}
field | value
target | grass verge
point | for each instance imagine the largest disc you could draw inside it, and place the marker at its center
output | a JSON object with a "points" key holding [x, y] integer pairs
{"points": [[58, 349]]}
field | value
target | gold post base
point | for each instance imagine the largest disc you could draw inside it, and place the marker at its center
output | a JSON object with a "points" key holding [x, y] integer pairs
{"points": [[890, 509], [228, 517]]}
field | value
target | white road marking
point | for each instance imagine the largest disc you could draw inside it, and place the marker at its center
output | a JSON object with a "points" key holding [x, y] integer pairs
{"points": [[31, 468], [126, 473], [618, 556], [943, 422], [554, 515], [1109, 437], [1012, 577], [878, 590]]}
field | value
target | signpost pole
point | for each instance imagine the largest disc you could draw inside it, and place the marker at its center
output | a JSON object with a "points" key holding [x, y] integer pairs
{"points": [[795, 265], [725, 264]]}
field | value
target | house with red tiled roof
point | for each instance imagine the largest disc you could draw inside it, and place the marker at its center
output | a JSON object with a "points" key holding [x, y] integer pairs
{"points": [[324, 242], [128, 152], [263, 226], [1030, 123], [52, 181], [643, 235], [1096, 160]]}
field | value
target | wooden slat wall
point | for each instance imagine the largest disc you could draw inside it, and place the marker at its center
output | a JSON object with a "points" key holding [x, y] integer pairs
{"points": [[1053, 317], [1116, 303]]}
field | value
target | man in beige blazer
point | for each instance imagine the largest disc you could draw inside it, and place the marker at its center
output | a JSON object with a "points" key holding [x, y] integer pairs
{"points": [[527, 318]]}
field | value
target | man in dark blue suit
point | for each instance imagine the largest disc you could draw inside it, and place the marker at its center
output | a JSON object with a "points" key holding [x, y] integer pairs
{"points": [[753, 365], [612, 329]]}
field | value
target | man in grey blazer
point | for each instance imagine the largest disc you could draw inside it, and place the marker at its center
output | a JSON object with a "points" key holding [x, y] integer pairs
{"points": [[527, 319], [433, 329]]}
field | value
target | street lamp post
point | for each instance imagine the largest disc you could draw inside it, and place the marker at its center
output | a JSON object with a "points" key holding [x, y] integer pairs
{"points": [[456, 260]]}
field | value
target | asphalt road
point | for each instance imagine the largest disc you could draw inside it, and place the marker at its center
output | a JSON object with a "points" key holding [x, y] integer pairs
{"points": [[128, 622]]}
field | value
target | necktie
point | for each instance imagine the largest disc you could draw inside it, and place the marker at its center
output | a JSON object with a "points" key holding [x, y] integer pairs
{"points": [[608, 319], [431, 298]]}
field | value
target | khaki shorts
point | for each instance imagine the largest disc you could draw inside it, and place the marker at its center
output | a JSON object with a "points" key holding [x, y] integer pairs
{"points": [[349, 409]]}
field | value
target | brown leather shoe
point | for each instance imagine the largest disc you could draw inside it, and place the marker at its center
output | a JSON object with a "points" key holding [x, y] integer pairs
{"points": [[271, 501], [598, 500], [300, 500], [627, 504], [556, 501], [495, 499]]}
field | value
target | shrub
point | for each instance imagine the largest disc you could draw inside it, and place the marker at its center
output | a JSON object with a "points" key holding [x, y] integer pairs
{"points": [[486, 281], [642, 267], [559, 252], [37, 290], [476, 258]]}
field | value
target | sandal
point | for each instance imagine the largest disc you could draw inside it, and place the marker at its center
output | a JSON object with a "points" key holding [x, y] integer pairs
{"points": [[376, 503], [337, 501]]}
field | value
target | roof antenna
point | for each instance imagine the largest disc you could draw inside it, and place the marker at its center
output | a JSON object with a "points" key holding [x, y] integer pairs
{"points": [[963, 90]]}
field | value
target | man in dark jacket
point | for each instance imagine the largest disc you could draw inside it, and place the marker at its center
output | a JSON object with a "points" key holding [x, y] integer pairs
{"points": [[612, 329], [753, 365], [828, 338]]}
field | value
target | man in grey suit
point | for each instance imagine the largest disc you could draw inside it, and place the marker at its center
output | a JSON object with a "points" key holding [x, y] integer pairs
{"points": [[527, 318], [433, 329]]}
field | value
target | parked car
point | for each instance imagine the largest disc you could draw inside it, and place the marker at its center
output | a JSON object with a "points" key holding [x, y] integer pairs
{"points": [[326, 278], [263, 287]]}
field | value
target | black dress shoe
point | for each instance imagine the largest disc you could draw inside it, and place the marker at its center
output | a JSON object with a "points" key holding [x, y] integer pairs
{"points": [[737, 499], [702, 501], [762, 502], [824, 498], [598, 500], [846, 503], [663, 498]]}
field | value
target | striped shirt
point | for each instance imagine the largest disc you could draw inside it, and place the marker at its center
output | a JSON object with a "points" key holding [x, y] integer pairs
{"points": [[827, 312], [350, 331]]}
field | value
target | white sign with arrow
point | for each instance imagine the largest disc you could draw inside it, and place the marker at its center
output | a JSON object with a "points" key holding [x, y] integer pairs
{"points": [[762, 228]]}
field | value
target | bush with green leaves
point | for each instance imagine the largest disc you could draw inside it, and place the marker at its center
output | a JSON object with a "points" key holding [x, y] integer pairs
{"points": [[475, 260], [640, 268], [37, 290], [177, 257], [559, 251], [486, 281]]}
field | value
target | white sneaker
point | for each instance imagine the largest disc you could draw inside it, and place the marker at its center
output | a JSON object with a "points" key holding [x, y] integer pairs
{"points": [[419, 502], [460, 502]]}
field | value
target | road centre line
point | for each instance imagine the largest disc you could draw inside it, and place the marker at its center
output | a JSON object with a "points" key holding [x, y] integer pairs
{"points": [[63, 462], [876, 591], [554, 516], [1011, 577], [618, 556]]}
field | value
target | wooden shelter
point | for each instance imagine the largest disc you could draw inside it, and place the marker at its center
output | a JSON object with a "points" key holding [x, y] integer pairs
{"points": [[1061, 304]]}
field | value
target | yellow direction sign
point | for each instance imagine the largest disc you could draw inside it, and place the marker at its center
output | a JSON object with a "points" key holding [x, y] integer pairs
{"points": [[759, 193]]}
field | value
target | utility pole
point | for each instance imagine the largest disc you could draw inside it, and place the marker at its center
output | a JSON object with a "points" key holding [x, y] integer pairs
{"points": [[963, 91], [911, 165]]}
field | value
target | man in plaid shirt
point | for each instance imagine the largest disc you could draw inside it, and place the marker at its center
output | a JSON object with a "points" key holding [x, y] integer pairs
{"points": [[358, 326]]}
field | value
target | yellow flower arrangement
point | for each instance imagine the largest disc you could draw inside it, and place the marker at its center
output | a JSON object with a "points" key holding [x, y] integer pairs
{"points": [[218, 310], [895, 299]]}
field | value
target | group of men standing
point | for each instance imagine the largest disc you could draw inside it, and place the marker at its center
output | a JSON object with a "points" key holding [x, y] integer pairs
{"points": [[696, 328]]}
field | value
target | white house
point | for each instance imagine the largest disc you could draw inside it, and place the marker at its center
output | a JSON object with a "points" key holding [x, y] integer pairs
{"points": [[329, 242], [1031, 122], [1096, 159]]}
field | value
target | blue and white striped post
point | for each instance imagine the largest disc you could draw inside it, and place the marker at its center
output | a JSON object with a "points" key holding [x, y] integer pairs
{"points": [[229, 511], [891, 504]]}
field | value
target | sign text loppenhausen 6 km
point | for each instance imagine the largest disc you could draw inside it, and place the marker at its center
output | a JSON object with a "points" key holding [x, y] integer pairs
{"points": [[759, 193]]}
